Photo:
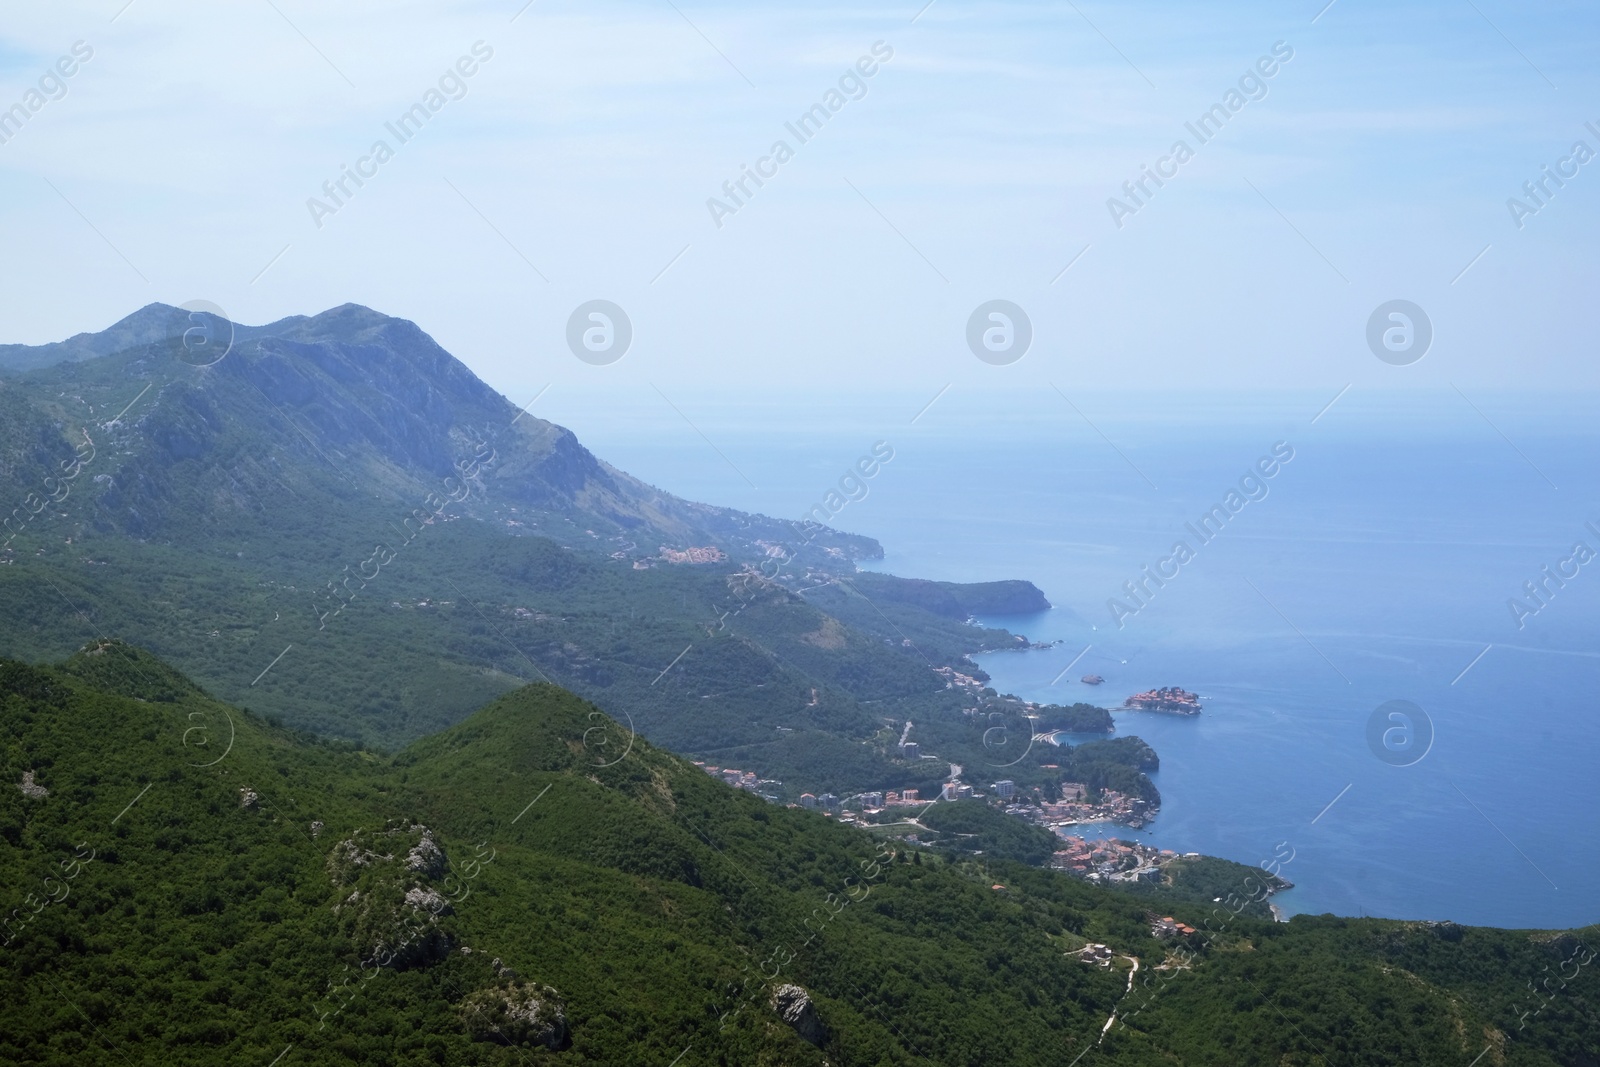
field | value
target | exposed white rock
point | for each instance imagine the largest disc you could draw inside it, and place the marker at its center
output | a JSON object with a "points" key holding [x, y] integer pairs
{"points": [[427, 899], [793, 1005], [521, 1013], [426, 857]]}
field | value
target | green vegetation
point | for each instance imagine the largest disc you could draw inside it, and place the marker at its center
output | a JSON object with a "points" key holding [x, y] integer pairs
{"points": [[198, 886], [1117, 764], [973, 826], [1209, 880], [955, 600], [1078, 718], [466, 612], [290, 530]]}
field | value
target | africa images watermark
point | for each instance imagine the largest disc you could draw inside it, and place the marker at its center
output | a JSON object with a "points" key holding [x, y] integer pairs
{"points": [[1539, 191], [56, 491], [852, 85], [452, 85], [52, 85], [457, 490], [1540, 590], [1252, 487], [1252, 86], [852, 486]]}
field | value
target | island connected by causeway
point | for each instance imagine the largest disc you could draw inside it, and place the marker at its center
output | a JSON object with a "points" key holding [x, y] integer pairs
{"points": [[1169, 699]]}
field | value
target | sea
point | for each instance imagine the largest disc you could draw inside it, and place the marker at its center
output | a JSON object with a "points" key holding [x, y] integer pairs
{"points": [[1376, 704]]}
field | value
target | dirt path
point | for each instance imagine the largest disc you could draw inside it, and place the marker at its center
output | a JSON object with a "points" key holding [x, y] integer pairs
{"points": [[1106, 1029]]}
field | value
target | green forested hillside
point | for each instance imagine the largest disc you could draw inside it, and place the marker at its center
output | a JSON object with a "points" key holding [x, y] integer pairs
{"points": [[972, 826], [467, 614], [185, 884]]}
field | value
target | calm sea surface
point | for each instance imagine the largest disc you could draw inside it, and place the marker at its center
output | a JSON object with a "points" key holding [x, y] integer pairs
{"points": [[1374, 566]]}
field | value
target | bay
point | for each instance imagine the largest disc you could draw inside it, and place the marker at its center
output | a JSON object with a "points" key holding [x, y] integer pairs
{"points": [[1375, 565]]}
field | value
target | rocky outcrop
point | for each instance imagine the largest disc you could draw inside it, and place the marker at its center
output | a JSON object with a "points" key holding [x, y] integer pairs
{"points": [[419, 899], [793, 1005], [32, 790], [426, 857], [520, 1013]]}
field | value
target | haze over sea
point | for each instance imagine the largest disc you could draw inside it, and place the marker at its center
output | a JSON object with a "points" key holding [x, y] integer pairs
{"points": [[1377, 567]]}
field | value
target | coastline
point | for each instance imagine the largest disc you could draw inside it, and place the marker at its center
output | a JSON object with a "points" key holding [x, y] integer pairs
{"points": [[1278, 726]]}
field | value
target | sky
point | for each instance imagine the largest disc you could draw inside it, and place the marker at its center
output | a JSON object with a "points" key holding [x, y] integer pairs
{"points": [[983, 159]]}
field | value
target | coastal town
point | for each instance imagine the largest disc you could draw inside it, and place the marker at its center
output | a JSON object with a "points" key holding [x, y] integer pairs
{"points": [[1075, 804], [1113, 860], [1169, 699], [1075, 808]]}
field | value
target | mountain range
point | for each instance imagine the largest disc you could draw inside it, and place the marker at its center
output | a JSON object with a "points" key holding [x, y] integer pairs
{"points": [[333, 521], [346, 399]]}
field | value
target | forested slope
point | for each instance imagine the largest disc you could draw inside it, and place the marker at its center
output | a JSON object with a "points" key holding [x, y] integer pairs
{"points": [[189, 884]]}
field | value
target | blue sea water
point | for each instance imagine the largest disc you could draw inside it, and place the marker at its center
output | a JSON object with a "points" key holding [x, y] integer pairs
{"points": [[1375, 565]]}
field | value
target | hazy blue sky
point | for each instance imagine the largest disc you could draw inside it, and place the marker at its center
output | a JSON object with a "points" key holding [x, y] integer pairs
{"points": [[577, 164]]}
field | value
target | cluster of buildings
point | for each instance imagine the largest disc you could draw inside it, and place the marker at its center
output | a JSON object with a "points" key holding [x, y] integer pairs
{"points": [[707, 554], [1165, 927], [954, 679], [1099, 955], [1074, 807], [1169, 699], [909, 749], [864, 802], [1003, 790], [1112, 860], [746, 780]]}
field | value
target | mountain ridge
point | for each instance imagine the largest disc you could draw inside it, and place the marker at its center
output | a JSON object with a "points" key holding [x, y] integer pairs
{"points": [[353, 380], [337, 523]]}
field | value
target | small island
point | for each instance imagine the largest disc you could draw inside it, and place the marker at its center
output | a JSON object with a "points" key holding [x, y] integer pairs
{"points": [[1091, 679], [1169, 699]]}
